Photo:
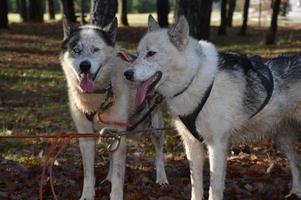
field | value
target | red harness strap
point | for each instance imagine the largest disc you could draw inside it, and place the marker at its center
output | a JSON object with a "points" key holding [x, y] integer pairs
{"points": [[113, 123]]}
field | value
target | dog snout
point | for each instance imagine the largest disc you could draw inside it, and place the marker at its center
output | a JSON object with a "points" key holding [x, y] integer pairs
{"points": [[129, 75], [85, 66]]}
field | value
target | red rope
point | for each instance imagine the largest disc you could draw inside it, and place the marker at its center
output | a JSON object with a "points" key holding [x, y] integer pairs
{"points": [[113, 123], [49, 153]]}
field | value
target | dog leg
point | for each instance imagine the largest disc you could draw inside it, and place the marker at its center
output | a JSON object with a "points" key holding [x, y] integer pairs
{"points": [[158, 141], [118, 170], [217, 157], [87, 148], [287, 145], [195, 155], [109, 176]]}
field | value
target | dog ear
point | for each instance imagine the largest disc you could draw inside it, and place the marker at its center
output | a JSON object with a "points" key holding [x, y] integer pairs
{"points": [[152, 24], [111, 29], [179, 33], [68, 27]]}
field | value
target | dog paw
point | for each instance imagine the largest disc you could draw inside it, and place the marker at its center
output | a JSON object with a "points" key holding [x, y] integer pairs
{"points": [[86, 198], [88, 194], [162, 181], [294, 192]]}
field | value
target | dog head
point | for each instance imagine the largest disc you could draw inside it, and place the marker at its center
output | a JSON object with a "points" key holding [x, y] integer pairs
{"points": [[161, 52], [85, 51]]}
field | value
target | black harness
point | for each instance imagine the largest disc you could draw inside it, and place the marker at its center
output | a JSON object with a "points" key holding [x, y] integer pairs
{"points": [[255, 64], [189, 120]]}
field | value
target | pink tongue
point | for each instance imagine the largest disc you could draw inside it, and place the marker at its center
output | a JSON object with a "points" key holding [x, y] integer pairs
{"points": [[142, 91], [86, 82]]}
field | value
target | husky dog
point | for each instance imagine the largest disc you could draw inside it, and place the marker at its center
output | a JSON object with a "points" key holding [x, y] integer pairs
{"points": [[219, 99], [96, 84]]}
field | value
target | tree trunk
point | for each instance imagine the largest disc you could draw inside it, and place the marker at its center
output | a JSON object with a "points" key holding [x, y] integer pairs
{"points": [[104, 11], [198, 14], [35, 11], [23, 10], [231, 9], [244, 26], [50, 9], [271, 35], [222, 30], [82, 12], [123, 12], [3, 14], [163, 11], [68, 9]]}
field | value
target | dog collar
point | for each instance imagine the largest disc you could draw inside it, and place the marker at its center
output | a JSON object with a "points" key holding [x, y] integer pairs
{"points": [[106, 104], [185, 88]]}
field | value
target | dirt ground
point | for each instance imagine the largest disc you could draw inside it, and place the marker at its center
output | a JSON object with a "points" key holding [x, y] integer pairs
{"points": [[33, 100]]}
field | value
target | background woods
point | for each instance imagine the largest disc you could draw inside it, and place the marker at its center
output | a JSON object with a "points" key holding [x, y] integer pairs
{"points": [[33, 95], [201, 14]]}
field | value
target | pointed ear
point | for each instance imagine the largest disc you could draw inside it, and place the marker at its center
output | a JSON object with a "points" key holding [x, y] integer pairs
{"points": [[68, 27], [152, 24], [111, 29], [179, 33]]}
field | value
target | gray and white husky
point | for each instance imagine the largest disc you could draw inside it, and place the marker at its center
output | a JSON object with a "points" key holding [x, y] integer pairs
{"points": [[96, 85], [219, 99]]}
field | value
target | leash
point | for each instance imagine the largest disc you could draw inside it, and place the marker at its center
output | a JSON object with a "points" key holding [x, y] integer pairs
{"points": [[108, 135], [111, 137]]}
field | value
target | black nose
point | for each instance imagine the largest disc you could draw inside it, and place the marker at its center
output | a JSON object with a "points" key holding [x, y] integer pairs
{"points": [[85, 66], [129, 75]]}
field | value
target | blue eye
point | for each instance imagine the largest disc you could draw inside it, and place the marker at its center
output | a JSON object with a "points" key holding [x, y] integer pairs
{"points": [[76, 50], [150, 53]]}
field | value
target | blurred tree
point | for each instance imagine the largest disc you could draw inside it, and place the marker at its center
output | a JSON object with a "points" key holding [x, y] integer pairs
{"points": [[222, 30], [82, 12], [244, 26], [231, 9], [3, 14], [123, 12], [197, 13], [163, 11], [104, 11], [50, 9], [36, 11], [22, 9], [143, 6], [271, 34], [68, 10]]}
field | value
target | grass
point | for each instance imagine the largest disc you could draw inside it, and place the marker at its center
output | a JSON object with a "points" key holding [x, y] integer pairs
{"points": [[32, 85], [33, 96]]}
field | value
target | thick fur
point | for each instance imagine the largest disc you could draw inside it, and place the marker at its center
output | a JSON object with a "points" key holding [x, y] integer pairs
{"points": [[98, 47], [235, 96]]}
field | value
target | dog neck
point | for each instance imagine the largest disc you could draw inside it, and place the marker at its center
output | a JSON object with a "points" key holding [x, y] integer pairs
{"points": [[202, 66], [87, 102]]}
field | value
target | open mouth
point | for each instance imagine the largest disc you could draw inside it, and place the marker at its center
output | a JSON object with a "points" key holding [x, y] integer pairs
{"points": [[146, 87], [86, 81]]}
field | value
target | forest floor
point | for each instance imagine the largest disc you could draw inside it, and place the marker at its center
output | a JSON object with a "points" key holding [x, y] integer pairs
{"points": [[33, 100]]}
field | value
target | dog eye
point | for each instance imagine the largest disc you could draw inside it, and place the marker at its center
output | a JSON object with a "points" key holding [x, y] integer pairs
{"points": [[150, 53], [76, 50], [94, 50]]}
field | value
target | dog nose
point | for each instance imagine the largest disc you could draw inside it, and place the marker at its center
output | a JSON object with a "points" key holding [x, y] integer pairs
{"points": [[129, 75], [85, 66]]}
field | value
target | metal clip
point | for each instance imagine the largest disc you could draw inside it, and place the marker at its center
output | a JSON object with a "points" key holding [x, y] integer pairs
{"points": [[110, 137]]}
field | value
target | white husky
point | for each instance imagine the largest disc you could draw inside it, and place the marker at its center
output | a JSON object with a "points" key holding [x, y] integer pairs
{"points": [[96, 86], [219, 99]]}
